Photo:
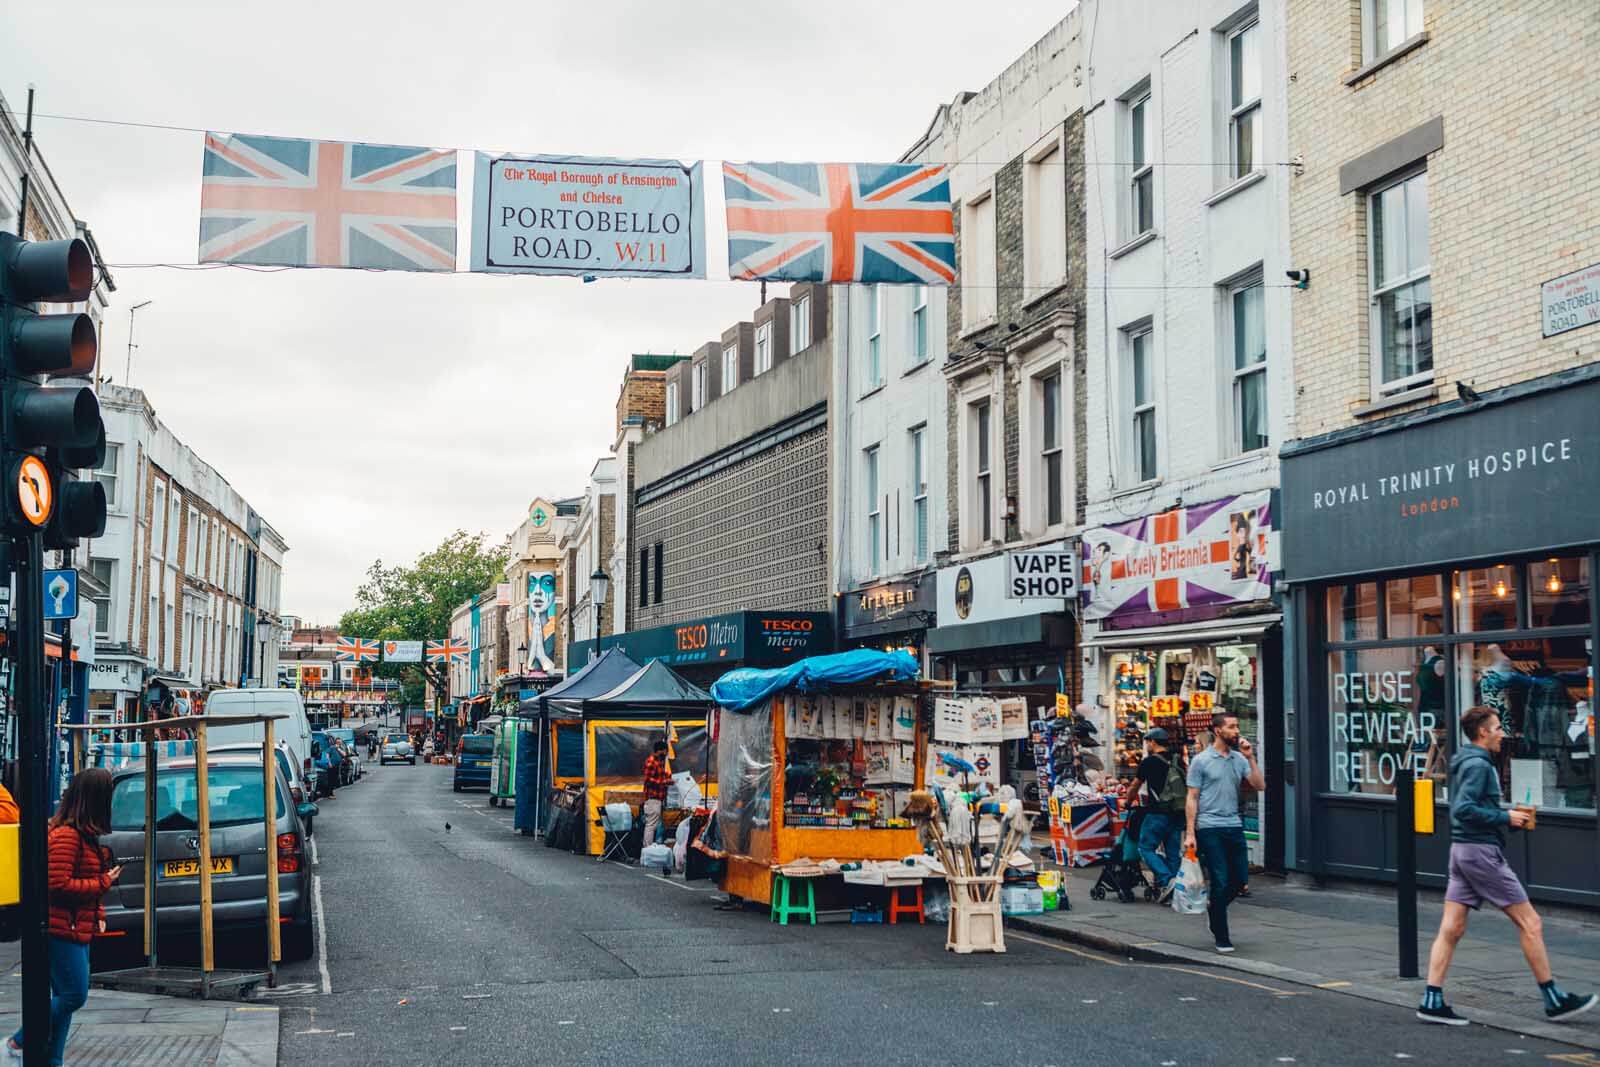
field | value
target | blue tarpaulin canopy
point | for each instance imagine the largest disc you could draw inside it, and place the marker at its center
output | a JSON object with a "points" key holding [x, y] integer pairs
{"points": [[746, 687]]}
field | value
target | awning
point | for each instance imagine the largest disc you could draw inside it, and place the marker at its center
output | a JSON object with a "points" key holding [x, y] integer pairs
{"points": [[1195, 633], [1050, 630]]}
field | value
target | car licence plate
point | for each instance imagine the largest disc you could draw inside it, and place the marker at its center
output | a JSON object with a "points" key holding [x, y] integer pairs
{"points": [[191, 868]]}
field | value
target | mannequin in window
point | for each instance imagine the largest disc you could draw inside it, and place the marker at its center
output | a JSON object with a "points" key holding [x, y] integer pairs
{"points": [[1504, 688], [1431, 714]]}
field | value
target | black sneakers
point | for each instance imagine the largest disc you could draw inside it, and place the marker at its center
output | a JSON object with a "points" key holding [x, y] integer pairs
{"points": [[1571, 1005], [1443, 1014]]}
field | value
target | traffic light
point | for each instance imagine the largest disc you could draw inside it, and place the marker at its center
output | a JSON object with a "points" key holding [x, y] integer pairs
{"points": [[46, 431]]}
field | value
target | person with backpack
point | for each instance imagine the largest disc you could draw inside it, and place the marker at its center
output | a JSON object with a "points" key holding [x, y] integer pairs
{"points": [[80, 875], [1165, 796]]}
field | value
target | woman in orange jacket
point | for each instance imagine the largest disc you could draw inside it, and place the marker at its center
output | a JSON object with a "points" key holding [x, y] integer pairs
{"points": [[80, 876], [8, 808]]}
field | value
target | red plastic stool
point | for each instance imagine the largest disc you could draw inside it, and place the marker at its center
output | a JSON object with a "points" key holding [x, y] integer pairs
{"points": [[897, 909]]}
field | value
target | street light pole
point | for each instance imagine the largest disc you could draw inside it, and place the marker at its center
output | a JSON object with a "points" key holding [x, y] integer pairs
{"points": [[127, 370], [599, 585]]}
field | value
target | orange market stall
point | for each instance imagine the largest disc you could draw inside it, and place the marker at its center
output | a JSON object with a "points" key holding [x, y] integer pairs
{"points": [[817, 761]]}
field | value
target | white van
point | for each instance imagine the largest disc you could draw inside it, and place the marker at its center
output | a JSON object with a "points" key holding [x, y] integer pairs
{"points": [[294, 728]]}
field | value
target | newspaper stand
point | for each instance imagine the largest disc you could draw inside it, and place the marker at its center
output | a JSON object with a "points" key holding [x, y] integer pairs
{"points": [[206, 981]]}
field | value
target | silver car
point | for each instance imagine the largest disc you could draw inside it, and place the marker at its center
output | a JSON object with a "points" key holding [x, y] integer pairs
{"points": [[238, 855], [396, 747]]}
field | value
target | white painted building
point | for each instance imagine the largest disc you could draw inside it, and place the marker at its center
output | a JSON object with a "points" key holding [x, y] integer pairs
{"points": [[192, 574], [587, 546], [1189, 363]]}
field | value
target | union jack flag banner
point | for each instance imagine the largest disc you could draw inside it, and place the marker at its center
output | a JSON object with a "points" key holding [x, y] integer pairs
{"points": [[355, 650], [448, 649], [840, 222], [293, 203]]}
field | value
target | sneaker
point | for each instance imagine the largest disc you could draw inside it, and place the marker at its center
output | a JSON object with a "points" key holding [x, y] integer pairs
{"points": [[13, 1053], [1166, 892], [1224, 947], [1442, 1014], [1571, 1004]]}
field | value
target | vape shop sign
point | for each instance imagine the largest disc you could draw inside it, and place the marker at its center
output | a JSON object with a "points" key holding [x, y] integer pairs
{"points": [[1042, 572]]}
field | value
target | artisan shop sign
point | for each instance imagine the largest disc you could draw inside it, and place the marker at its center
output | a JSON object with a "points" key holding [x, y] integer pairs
{"points": [[1514, 476], [909, 603]]}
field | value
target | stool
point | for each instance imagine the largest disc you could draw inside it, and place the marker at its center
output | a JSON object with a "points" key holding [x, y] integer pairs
{"points": [[913, 907], [781, 908]]}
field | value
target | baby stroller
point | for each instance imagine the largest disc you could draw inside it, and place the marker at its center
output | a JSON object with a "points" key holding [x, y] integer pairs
{"points": [[1122, 873]]}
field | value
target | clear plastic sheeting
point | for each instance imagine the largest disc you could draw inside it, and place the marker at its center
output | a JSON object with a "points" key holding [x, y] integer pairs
{"points": [[744, 764], [746, 687]]}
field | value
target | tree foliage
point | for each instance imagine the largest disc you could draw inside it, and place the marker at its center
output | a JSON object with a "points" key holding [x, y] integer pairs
{"points": [[415, 602]]}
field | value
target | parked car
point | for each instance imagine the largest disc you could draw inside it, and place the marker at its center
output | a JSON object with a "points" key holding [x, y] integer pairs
{"points": [[301, 789], [396, 747], [238, 855], [474, 755], [352, 749]]}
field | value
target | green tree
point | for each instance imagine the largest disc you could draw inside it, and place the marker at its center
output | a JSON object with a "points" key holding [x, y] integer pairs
{"points": [[414, 603]]}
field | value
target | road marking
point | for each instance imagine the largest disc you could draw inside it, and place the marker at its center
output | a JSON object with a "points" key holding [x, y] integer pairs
{"points": [[287, 989], [1068, 948], [1158, 966], [322, 934], [675, 885], [311, 844], [1333, 985]]}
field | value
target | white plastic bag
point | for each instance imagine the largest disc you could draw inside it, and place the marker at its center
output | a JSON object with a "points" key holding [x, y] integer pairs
{"points": [[680, 845], [656, 856], [1189, 895], [684, 791]]}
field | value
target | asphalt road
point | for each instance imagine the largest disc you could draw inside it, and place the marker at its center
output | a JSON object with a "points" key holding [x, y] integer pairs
{"points": [[478, 945]]}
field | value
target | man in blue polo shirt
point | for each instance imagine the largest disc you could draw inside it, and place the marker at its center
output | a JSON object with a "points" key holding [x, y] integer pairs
{"points": [[1215, 828]]}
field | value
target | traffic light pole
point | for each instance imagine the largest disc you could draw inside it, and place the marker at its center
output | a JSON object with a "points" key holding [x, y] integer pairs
{"points": [[33, 763]]}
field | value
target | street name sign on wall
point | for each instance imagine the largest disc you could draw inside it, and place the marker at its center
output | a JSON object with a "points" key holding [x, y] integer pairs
{"points": [[606, 218], [1570, 301]]}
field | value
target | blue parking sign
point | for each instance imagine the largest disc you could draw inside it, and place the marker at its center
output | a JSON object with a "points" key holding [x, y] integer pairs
{"points": [[61, 594]]}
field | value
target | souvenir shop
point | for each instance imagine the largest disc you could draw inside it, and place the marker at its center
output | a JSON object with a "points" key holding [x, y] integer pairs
{"points": [[1016, 650], [1180, 623], [1440, 561]]}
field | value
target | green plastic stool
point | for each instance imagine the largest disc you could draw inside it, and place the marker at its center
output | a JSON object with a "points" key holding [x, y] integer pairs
{"points": [[782, 909]]}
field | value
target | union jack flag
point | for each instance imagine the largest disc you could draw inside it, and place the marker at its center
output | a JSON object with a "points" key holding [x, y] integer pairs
{"points": [[840, 222], [272, 200], [448, 649], [355, 650]]}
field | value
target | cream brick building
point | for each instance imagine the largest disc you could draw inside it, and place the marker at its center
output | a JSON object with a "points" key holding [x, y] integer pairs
{"points": [[1498, 105], [1441, 493]]}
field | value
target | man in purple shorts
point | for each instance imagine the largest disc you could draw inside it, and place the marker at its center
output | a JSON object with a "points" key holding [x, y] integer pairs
{"points": [[1479, 873]]}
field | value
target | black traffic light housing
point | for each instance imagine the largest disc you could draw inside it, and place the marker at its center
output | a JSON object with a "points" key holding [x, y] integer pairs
{"points": [[64, 419]]}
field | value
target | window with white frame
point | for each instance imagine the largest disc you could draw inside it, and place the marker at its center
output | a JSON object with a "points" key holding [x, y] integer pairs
{"points": [[672, 403], [981, 474], [874, 509], [764, 347], [978, 294], [874, 317], [174, 528], [918, 447], [1142, 406], [106, 473], [919, 325], [730, 368], [1045, 212], [800, 325], [1402, 299], [104, 571], [158, 520], [192, 543], [1051, 461], [1247, 320], [1244, 99], [1141, 175], [1387, 24], [697, 388]]}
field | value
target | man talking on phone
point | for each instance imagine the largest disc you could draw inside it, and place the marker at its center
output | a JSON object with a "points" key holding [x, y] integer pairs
{"points": [[1215, 827]]}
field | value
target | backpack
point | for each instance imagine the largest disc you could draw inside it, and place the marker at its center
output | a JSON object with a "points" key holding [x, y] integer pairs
{"points": [[1174, 795]]}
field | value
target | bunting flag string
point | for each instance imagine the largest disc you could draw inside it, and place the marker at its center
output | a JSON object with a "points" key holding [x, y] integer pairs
{"points": [[355, 650]]}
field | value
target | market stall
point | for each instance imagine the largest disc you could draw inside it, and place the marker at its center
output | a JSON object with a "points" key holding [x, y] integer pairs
{"points": [[554, 752], [817, 762], [620, 727]]}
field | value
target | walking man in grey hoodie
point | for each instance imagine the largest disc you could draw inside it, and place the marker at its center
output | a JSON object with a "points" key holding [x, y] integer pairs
{"points": [[1479, 872]]}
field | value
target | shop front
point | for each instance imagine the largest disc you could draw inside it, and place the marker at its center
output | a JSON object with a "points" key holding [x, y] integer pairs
{"points": [[992, 643], [1180, 622], [1441, 561], [114, 685], [889, 615], [702, 650]]}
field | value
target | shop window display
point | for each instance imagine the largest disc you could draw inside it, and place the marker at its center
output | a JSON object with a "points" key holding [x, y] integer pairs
{"points": [[1541, 687], [1414, 607], [1558, 592], [1353, 612], [1485, 599], [1387, 716]]}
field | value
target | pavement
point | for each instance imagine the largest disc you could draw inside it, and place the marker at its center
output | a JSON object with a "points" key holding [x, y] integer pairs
{"points": [[1344, 939], [139, 1029]]}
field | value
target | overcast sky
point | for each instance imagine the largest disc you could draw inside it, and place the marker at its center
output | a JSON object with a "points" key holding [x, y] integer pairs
{"points": [[367, 415]]}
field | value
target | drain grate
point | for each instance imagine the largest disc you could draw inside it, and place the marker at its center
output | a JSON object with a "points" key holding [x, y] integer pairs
{"points": [[165, 1050]]}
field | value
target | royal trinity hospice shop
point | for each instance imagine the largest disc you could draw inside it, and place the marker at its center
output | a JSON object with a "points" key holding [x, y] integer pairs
{"points": [[1440, 560]]}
